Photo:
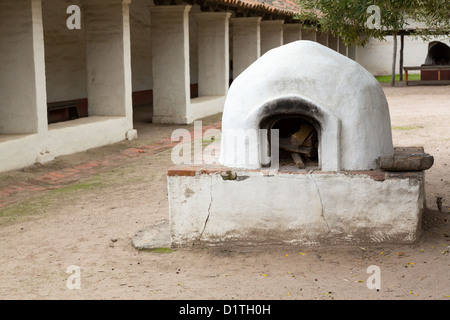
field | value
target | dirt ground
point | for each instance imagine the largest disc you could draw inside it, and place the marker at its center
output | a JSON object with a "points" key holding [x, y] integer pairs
{"points": [[90, 225]]}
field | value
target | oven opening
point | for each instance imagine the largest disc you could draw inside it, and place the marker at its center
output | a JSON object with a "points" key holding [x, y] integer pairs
{"points": [[298, 141]]}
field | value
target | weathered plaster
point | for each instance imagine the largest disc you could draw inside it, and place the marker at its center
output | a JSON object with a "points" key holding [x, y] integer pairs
{"points": [[292, 32], [310, 209], [331, 82], [246, 43], [271, 34]]}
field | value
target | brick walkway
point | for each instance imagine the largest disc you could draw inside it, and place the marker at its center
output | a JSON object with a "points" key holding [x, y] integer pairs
{"points": [[19, 191]]}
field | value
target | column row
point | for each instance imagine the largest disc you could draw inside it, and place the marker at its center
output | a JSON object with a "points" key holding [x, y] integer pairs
{"points": [[250, 37], [26, 136]]}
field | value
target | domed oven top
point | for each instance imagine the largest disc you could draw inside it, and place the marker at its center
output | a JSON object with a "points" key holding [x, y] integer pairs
{"points": [[326, 107]]}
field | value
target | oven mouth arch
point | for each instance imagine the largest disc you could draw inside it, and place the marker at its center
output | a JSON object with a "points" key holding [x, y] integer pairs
{"points": [[269, 122], [327, 125]]}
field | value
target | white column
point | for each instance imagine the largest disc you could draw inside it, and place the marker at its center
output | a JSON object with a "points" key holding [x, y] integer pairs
{"points": [[271, 34], [23, 98], [351, 52], [246, 43], [322, 38], [333, 42], [342, 49], [309, 34], [108, 58], [292, 32], [213, 53], [170, 63]]}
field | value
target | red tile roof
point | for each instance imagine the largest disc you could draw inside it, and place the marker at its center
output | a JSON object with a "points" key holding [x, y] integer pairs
{"points": [[284, 7]]}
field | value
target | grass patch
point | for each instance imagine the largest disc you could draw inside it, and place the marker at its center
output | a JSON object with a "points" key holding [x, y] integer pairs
{"points": [[36, 207], [405, 128], [42, 205], [159, 250], [387, 78], [77, 187]]}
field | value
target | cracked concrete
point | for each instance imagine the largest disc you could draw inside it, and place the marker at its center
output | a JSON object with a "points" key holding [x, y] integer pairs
{"points": [[295, 207], [320, 197], [209, 212]]}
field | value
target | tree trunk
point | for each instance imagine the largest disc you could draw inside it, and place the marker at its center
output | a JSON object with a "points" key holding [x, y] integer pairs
{"points": [[402, 45], [394, 60]]}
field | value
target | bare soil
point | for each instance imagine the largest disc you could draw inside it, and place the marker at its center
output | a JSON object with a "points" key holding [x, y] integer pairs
{"points": [[90, 224]]}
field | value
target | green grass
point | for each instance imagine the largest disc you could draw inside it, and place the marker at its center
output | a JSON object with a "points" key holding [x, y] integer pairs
{"points": [[40, 205], [387, 78], [158, 250], [407, 127], [78, 186]]}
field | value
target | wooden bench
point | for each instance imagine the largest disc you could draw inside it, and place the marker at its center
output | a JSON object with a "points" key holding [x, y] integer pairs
{"points": [[440, 80], [70, 106]]}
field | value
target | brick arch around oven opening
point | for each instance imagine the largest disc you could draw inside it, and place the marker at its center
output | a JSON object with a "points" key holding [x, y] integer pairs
{"points": [[326, 124]]}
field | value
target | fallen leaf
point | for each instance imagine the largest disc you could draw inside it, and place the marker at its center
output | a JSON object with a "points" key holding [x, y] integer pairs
{"points": [[286, 255], [265, 275], [302, 253]]}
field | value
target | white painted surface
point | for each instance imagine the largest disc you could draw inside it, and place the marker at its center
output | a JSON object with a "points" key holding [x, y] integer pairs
{"points": [[65, 52], [141, 45], [306, 209], [246, 43], [213, 53], [108, 59], [376, 56], [85, 133], [333, 83], [322, 38], [193, 45], [292, 32], [271, 34], [333, 42], [23, 80], [309, 34], [205, 106], [170, 63], [22, 68], [18, 150], [342, 48]]}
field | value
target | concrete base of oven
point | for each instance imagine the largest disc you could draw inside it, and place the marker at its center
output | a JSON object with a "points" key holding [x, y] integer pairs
{"points": [[216, 206]]}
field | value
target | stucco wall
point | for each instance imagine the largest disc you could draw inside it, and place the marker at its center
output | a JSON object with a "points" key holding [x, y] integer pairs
{"points": [[307, 209], [22, 67], [376, 56], [65, 53], [193, 50], [335, 84], [65, 50], [141, 45]]}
